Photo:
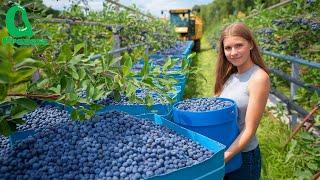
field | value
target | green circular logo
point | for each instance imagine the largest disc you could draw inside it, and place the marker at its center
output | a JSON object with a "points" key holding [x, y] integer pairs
{"points": [[16, 31]]}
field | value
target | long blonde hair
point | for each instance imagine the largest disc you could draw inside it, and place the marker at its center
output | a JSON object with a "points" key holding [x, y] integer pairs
{"points": [[224, 68]]}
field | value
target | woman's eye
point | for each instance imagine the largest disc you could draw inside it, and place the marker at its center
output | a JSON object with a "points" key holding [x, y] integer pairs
{"points": [[227, 48], [238, 45]]}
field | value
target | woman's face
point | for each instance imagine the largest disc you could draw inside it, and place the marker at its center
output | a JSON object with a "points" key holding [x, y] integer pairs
{"points": [[237, 50]]}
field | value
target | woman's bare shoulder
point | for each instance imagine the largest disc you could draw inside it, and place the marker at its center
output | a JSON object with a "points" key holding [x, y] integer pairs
{"points": [[259, 78], [260, 75]]}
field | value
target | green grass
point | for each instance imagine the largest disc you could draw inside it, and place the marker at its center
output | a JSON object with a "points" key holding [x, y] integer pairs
{"points": [[272, 135], [196, 85]]}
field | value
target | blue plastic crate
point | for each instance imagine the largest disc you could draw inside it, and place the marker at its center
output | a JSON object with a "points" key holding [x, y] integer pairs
{"points": [[189, 48], [220, 125], [212, 168]]}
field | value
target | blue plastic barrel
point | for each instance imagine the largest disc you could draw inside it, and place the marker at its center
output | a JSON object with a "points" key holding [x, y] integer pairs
{"points": [[220, 125]]}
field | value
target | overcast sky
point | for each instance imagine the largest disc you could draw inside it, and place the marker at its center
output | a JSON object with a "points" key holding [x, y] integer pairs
{"points": [[152, 6]]}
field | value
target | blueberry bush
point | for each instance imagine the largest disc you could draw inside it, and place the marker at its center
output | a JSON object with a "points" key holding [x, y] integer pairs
{"points": [[291, 30], [63, 71]]}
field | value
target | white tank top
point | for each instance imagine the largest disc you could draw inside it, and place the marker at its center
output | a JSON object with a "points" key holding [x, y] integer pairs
{"points": [[236, 88]]}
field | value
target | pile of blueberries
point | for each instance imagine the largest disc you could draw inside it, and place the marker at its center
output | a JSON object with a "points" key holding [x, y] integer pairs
{"points": [[4, 146], [41, 118], [113, 145], [203, 104], [177, 49]]}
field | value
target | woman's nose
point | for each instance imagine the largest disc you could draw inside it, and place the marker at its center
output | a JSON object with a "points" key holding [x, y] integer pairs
{"points": [[233, 51]]}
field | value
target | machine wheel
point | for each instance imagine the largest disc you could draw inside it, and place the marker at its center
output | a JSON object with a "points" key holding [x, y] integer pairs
{"points": [[196, 46]]}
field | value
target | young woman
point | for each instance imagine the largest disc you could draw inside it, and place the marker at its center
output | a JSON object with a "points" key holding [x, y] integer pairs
{"points": [[241, 75]]}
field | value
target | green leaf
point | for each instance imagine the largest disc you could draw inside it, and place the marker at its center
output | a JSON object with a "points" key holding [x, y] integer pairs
{"points": [[76, 59], [63, 82], [131, 90], [56, 90], [26, 103], [4, 78], [5, 65], [190, 56], [148, 81], [85, 83], [22, 75], [65, 53], [156, 71], [5, 52], [128, 61], [73, 98], [114, 61], [74, 114], [4, 127], [18, 121], [167, 65], [28, 62], [21, 54], [20, 88], [73, 72], [146, 68], [81, 114], [116, 95], [70, 85], [117, 80], [78, 47], [90, 91], [185, 64], [125, 70], [3, 91], [149, 100], [19, 115], [96, 107], [82, 73], [42, 83]]}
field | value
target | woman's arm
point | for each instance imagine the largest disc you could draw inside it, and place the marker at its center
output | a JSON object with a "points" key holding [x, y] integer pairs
{"points": [[259, 87]]}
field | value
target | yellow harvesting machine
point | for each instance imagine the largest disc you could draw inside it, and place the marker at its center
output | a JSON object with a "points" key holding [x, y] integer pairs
{"points": [[188, 25]]}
